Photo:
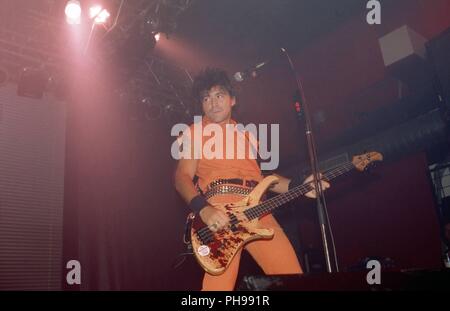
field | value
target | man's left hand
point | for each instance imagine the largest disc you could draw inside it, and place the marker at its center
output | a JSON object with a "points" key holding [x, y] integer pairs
{"points": [[312, 193]]}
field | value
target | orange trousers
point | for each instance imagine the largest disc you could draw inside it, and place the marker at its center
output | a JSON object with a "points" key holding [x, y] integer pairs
{"points": [[275, 256]]}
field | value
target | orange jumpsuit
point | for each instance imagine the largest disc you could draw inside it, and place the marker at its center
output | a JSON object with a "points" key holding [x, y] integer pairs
{"points": [[275, 256]]}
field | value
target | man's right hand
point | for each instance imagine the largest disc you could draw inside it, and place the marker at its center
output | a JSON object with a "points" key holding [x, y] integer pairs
{"points": [[214, 218]]}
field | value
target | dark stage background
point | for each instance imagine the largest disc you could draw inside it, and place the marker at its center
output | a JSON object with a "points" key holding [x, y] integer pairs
{"points": [[122, 217]]}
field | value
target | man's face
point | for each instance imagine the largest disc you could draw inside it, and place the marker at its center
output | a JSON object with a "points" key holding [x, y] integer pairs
{"points": [[217, 104]]}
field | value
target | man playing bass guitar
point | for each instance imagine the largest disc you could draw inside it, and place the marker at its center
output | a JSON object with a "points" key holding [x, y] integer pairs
{"points": [[228, 179]]}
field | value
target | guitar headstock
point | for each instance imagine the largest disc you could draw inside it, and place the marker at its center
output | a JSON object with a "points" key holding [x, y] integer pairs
{"points": [[363, 160]]}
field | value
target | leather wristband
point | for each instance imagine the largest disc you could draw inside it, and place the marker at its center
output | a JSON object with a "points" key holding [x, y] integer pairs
{"points": [[198, 203]]}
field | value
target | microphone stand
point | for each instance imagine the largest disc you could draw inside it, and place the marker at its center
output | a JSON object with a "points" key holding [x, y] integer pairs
{"points": [[325, 228]]}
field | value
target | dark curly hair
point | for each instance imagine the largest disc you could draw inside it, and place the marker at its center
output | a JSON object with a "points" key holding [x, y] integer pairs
{"points": [[207, 79]]}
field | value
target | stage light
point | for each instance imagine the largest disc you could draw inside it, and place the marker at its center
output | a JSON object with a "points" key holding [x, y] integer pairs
{"points": [[94, 11], [157, 37], [102, 17], [73, 12]]}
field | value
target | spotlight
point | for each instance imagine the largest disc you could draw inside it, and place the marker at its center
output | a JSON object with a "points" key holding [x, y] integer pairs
{"points": [[94, 11], [102, 17], [73, 12], [152, 26]]}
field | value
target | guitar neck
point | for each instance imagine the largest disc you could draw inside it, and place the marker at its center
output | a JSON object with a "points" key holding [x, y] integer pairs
{"points": [[268, 206]]}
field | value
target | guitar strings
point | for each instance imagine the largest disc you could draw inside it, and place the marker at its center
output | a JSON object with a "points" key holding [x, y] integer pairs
{"points": [[206, 233]]}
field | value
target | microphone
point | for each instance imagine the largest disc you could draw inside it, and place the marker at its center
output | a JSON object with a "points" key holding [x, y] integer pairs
{"points": [[250, 72]]}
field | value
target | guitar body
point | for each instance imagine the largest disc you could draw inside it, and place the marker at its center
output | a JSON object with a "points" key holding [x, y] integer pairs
{"points": [[214, 251]]}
